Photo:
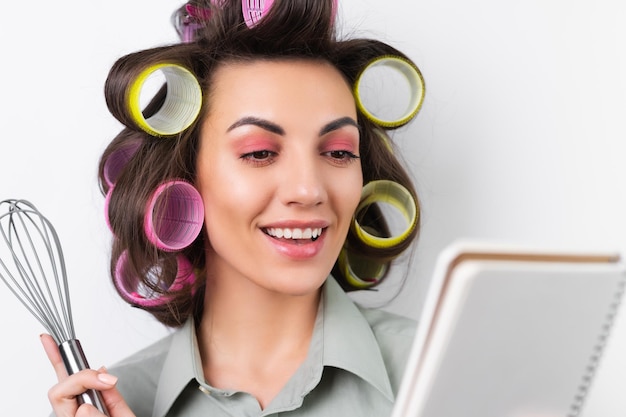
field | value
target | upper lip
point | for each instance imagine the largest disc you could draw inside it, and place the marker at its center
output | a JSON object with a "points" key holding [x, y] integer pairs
{"points": [[297, 224]]}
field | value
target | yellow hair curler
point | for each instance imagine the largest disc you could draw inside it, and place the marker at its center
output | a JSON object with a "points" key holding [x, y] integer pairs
{"points": [[385, 138], [416, 83], [181, 106], [361, 272], [385, 191]]}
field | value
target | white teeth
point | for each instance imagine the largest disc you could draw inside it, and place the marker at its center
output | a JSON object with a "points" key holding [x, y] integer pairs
{"points": [[307, 233]]}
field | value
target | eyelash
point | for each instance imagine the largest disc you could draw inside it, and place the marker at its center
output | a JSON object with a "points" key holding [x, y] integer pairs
{"points": [[344, 157], [259, 158], [265, 157]]}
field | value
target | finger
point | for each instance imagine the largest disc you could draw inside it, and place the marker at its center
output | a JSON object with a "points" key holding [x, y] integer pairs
{"points": [[115, 403], [87, 410], [113, 400], [54, 356], [62, 396]]}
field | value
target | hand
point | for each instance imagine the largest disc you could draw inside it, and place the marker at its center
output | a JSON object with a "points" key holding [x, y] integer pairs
{"points": [[62, 396]]}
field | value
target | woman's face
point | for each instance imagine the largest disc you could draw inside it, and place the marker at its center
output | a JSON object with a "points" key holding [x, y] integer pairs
{"points": [[279, 173]]}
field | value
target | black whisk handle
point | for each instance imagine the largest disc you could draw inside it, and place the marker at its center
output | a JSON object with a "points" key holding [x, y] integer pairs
{"points": [[74, 359]]}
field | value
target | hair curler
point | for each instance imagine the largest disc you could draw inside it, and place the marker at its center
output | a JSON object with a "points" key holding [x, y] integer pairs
{"points": [[182, 103], [385, 191], [117, 160], [361, 272], [174, 215], [137, 293], [254, 10], [107, 202], [416, 84]]}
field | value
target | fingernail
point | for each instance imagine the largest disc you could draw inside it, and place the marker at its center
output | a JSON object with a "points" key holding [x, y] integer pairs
{"points": [[107, 379]]}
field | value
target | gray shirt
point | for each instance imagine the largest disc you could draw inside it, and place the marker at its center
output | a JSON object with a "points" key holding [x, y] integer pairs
{"points": [[353, 368]]}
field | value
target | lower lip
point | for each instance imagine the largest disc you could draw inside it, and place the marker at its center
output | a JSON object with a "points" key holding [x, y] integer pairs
{"points": [[303, 249]]}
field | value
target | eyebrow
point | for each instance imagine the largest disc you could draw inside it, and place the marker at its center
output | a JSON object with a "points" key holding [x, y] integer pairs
{"points": [[338, 124], [255, 121], [276, 129]]}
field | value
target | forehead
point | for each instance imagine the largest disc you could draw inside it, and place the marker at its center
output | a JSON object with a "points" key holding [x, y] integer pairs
{"points": [[296, 82]]}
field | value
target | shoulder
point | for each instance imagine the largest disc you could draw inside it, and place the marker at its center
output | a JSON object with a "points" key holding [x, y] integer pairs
{"points": [[394, 334], [154, 352], [389, 325], [138, 376]]}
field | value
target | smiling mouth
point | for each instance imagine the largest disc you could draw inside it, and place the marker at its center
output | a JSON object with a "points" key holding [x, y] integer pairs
{"points": [[295, 234]]}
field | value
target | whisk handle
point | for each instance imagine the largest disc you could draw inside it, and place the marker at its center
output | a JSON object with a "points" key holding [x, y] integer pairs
{"points": [[75, 360]]}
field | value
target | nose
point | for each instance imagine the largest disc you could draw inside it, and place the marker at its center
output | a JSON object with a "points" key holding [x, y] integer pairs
{"points": [[303, 183]]}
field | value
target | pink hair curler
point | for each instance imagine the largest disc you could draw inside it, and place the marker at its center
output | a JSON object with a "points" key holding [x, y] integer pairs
{"points": [[189, 19], [193, 21], [107, 201], [174, 215], [137, 293], [117, 160], [254, 10]]}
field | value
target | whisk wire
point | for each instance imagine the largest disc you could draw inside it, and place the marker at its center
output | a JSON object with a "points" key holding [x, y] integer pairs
{"points": [[30, 279], [61, 286], [22, 290], [33, 289], [19, 293], [37, 296]]}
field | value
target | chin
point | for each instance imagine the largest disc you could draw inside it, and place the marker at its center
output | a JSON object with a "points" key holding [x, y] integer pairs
{"points": [[299, 283]]}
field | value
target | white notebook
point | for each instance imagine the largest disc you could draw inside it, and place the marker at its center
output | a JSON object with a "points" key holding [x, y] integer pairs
{"points": [[510, 333]]}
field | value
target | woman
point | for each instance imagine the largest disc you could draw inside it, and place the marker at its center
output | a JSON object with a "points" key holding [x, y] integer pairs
{"points": [[279, 155]]}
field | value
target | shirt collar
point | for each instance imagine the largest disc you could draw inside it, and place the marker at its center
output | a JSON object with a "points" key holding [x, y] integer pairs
{"points": [[180, 367], [348, 343]]}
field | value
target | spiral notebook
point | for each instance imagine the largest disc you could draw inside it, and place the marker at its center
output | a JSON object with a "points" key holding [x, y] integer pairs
{"points": [[507, 332]]}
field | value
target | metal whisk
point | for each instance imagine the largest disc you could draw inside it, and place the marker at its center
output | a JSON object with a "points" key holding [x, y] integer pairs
{"points": [[33, 268]]}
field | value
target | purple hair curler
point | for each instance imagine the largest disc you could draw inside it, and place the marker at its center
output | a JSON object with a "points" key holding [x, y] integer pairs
{"points": [[114, 164], [107, 201], [137, 293], [118, 159], [174, 215]]}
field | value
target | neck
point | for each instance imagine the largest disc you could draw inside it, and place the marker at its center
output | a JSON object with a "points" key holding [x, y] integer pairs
{"points": [[252, 339], [252, 321]]}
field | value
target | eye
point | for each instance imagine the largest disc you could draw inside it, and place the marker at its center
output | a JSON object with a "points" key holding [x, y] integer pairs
{"points": [[259, 158], [341, 157], [258, 155]]}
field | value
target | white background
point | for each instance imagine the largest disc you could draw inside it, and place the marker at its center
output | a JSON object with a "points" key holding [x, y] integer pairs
{"points": [[521, 139]]}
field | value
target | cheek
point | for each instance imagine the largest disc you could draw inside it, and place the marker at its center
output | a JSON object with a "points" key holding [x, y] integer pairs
{"points": [[229, 196], [349, 193]]}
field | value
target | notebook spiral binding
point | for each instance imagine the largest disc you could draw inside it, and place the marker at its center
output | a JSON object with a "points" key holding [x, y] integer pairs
{"points": [[585, 384]]}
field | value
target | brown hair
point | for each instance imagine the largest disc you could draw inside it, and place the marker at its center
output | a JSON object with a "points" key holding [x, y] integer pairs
{"points": [[302, 29]]}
